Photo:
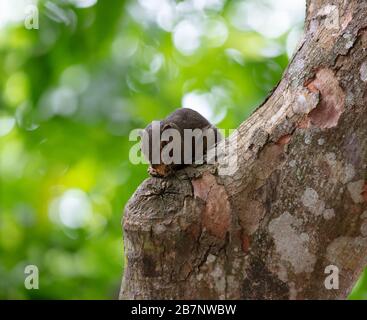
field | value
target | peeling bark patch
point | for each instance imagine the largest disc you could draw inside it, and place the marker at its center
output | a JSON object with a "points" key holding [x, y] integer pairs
{"points": [[284, 140], [332, 98], [356, 190], [269, 160], [304, 123], [250, 221], [290, 244], [216, 213]]}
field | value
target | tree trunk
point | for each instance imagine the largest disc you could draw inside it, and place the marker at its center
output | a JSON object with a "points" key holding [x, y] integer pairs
{"points": [[297, 202]]}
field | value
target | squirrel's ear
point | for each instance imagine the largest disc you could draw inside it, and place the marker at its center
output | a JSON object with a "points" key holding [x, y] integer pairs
{"points": [[170, 125]]}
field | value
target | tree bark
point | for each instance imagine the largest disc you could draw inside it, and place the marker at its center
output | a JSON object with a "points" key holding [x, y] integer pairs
{"points": [[297, 202]]}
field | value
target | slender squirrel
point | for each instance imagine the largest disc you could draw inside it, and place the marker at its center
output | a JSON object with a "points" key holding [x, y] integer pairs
{"points": [[184, 121]]}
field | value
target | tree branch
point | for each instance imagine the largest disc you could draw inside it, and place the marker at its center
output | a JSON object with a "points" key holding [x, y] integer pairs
{"points": [[298, 200]]}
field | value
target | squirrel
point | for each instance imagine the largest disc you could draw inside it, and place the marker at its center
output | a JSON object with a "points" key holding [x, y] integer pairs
{"points": [[182, 120]]}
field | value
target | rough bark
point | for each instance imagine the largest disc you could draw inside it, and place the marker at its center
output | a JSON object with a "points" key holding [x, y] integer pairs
{"points": [[296, 204]]}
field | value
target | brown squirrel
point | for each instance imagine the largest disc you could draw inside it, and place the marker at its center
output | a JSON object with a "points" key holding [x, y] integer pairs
{"points": [[182, 120]]}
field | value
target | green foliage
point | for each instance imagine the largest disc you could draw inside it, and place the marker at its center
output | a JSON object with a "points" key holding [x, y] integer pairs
{"points": [[71, 92]]}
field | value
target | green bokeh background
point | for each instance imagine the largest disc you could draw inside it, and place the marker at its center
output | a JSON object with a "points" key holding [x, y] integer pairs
{"points": [[71, 92]]}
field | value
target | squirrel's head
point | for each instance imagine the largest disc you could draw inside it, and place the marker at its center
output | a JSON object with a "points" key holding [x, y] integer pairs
{"points": [[152, 146]]}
